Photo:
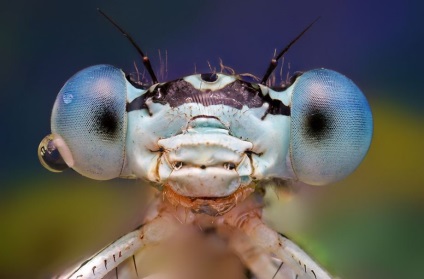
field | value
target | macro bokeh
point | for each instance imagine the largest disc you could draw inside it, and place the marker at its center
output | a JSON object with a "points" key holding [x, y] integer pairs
{"points": [[369, 225]]}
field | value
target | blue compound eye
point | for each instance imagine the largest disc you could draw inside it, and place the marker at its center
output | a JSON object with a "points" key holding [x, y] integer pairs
{"points": [[331, 127], [90, 116]]}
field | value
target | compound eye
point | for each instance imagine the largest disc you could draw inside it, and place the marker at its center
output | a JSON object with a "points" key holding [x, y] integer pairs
{"points": [[90, 116], [331, 127]]}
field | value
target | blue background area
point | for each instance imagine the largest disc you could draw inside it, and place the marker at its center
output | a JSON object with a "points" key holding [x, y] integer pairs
{"points": [[378, 44]]}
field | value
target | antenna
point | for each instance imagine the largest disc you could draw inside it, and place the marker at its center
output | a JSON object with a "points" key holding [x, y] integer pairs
{"points": [[145, 59], [274, 62]]}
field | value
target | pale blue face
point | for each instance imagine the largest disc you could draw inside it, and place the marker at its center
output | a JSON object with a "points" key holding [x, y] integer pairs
{"points": [[209, 135]]}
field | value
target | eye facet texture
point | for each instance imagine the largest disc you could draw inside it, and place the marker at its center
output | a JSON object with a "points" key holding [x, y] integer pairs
{"points": [[331, 127], [90, 115]]}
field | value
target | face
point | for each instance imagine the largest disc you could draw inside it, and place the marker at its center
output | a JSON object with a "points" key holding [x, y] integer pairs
{"points": [[196, 135], [210, 135]]}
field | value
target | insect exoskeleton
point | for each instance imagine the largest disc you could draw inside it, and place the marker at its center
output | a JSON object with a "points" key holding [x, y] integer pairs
{"points": [[209, 142], [209, 139]]}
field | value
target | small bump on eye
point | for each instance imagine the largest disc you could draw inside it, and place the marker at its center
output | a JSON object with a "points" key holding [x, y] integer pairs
{"points": [[229, 166], [49, 155], [178, 165], [209, 77]]}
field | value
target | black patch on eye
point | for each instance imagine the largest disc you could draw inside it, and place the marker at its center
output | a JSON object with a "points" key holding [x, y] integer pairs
{"points": [[317, 125], [105, 122]]}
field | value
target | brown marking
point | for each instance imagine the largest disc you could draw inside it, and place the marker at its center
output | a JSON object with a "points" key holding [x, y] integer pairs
{"points": [[215, 206]]}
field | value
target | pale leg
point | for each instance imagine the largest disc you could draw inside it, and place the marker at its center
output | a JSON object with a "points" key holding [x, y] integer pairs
{"points": [[256, 259], [284, 249], [107, 260]]}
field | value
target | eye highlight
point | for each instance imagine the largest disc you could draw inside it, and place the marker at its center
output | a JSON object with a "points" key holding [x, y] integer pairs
{"points": [[331, 127], [90, 115]]}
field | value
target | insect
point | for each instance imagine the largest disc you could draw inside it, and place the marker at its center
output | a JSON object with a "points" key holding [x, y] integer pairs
{"points": [[209, 143]]}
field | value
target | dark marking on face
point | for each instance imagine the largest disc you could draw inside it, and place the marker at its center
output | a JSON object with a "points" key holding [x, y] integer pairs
{"points": [[236, 94], [209, 77]]}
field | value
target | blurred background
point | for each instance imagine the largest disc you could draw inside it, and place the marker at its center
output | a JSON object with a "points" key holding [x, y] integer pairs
{"points": [[367, 226]]}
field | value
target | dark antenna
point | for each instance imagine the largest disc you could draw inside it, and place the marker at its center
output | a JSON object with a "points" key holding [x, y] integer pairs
{"points": [[274, 62], [146, 60]]}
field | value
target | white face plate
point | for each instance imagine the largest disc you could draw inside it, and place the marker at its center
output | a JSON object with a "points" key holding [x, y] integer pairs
{"points": [[206, 149]]}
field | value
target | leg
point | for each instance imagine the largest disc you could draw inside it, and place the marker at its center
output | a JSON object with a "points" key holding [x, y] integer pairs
{"points": [[254, 257], [284, 249], [107, 260]]}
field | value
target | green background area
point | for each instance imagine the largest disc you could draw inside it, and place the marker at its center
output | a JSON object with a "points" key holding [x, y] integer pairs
{"points": [[367, 226]]}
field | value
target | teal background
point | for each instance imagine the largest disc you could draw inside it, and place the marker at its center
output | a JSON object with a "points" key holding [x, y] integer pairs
{"points": [[367, 226]]}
